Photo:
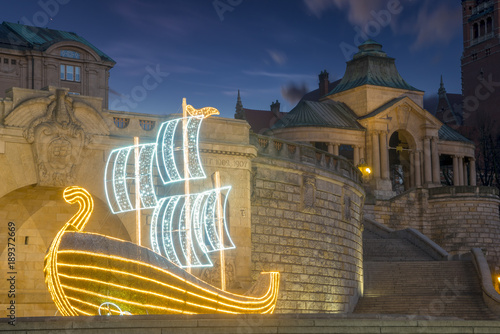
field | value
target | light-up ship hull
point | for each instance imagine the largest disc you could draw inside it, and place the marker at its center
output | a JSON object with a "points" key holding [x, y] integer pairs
{"points": [[84, 271], [94, 269]]}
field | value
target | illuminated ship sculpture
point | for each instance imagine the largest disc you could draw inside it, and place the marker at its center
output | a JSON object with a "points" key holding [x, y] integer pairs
{"points": [[85, 272]]}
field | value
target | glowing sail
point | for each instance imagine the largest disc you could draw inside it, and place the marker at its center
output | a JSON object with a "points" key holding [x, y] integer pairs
{"points": [[169, 234], [165, 156]]}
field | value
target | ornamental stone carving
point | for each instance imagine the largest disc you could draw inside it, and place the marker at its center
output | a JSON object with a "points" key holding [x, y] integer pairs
{"points": [[58, 139]]}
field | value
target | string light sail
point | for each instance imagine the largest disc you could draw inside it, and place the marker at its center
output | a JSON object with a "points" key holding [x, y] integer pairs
{"points": [[91, 274]]}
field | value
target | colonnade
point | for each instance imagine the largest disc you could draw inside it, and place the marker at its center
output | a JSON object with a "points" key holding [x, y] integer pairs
{"points": [[425, 166], [333, 148]]}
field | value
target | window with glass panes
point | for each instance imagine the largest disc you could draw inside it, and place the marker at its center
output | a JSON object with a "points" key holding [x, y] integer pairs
{"points": [[70, 73]]}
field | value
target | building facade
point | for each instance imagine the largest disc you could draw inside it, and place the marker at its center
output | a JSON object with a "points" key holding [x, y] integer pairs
{"points": [[34, 58], [373, 115]]}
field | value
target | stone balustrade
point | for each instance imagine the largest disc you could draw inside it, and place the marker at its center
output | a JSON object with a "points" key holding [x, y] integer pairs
{"points": [[304, 153]]}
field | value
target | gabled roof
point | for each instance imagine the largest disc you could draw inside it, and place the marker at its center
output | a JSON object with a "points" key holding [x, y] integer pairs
{"points": [[260, 120], [314, 95], [319, 114], [19, 36], [371, 66], [447, 133]]}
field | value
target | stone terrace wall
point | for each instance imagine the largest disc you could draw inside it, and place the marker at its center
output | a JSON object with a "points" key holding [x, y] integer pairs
{"points": [[466, 217], [306, 223], [456, 218]]}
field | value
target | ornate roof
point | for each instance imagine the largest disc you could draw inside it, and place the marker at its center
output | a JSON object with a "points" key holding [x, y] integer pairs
{"points": [[321, 114], [371, 66], [19, 36]]}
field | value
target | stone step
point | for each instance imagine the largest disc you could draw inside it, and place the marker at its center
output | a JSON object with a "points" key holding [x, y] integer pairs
{"points": [[421, 278], [433, 288], [463, 307], [392, 249]]}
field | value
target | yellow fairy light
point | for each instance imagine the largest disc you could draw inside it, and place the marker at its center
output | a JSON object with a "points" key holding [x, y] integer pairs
{"points": [[81, 280], [205, 112]]}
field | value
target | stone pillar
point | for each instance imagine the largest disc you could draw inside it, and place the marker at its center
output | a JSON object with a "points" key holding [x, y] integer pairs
{"points": [[336, 149], [466, 180], [330, 148], [412, 169], [461, 170], [356, 156], [456, 177], [384, 156], [375, 155], [427, 160], [418, 170], [472, 171], [436, 168]]}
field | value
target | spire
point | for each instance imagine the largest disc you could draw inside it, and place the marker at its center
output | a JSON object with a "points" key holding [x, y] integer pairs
{"points": [[240, 113], [442, 90]]}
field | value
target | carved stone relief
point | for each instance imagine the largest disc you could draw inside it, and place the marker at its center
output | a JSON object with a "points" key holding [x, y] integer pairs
{"points": [[58, 139]]}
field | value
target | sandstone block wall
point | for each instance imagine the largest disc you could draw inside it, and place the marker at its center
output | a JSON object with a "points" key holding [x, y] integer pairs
{"points": [[306, 223], [456, 218]]}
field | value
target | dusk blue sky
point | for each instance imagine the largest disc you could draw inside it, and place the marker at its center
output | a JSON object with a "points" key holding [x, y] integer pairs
{"points": [[269, 49]]}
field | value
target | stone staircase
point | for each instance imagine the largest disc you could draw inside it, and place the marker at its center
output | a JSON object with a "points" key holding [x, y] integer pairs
{"points": [[401, 278]]}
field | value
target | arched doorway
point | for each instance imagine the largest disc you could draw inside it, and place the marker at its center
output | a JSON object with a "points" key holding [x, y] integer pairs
{"points": [[401, 146], [38, 213]]}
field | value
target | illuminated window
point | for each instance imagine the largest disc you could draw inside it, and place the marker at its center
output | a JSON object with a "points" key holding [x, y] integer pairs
{"points": [[147, 125], [70, 73], [121, 123]]}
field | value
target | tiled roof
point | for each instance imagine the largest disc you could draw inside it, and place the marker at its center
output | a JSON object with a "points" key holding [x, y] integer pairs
{"points": [[371, 66], [314, 94], [15, 35], [447, 133], [260, 120], [325, 114]]}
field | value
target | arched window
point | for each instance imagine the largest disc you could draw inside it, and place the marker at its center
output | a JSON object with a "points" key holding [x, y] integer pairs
{"points": [[481, 28], [475, 34], [489, 25]]}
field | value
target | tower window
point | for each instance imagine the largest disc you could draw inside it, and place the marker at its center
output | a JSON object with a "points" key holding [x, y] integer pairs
{"points": [[474, 56], [70, 73], [487, 51], [5, 60], [489, 25], [13, 62], [481, 28], [475, 31]]}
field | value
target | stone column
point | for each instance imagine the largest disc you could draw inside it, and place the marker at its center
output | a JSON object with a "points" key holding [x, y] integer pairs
{"points": [[330, 148], [427, 160], [456, 177], [356, 156], [384, 156], [472, 171], [461, 170], [375, 155], [418, 170], [412, 169], [336, 149], [436, 168], [466, 181]]}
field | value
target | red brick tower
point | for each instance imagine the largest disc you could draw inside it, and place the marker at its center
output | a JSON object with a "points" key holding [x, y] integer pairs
{"points": [[481, 62]]}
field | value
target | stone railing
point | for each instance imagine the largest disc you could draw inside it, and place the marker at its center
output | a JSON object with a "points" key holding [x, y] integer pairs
{"points": [[471, 191], [304, 153]]}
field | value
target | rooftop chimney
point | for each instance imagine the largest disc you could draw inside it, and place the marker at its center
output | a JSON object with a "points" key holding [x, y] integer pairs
{"points": [[323, 83], [275, 108]]}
